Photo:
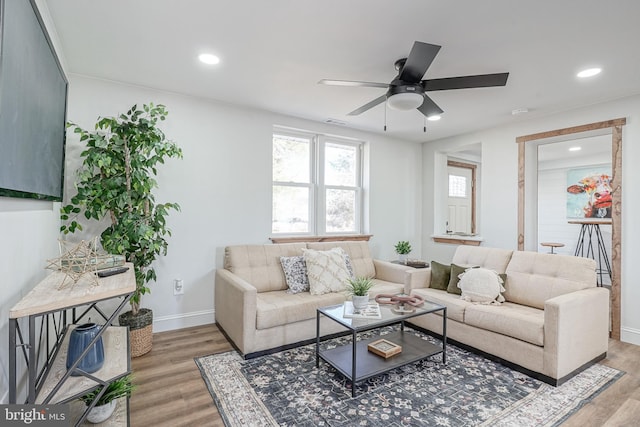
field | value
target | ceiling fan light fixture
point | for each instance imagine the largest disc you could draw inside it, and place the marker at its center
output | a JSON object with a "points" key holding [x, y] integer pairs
{"points": [[208, 59], [589, 72], [434, 118], [405, 101]]}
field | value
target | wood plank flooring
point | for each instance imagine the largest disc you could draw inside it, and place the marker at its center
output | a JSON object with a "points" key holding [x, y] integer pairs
{"points": [[171, 391]]}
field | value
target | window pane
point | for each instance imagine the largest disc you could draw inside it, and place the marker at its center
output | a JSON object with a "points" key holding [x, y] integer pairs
{"points": [[341, 210], [457, 186], [340, 162], [290, 209], [291, 159]]}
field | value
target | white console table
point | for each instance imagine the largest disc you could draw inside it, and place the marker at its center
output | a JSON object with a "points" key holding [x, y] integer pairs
{"points": [[51, 312]]}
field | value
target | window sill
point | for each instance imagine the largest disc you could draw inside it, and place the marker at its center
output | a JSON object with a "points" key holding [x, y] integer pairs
{"points": [[454, 239], [331, 238]]}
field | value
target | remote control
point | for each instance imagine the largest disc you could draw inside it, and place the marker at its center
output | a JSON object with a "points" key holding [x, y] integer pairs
{"points": [[111, 271]]}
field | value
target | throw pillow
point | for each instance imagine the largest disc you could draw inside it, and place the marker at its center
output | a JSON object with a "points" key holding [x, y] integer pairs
{"points": [[295, 274], [481, 285], [452, 286], [347, 260], [439, 275], [326, 270]]}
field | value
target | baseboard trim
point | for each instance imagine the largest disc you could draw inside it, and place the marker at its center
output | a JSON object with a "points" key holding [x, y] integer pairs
{"points": [[184, 320], [630, 335], [537, 375]]}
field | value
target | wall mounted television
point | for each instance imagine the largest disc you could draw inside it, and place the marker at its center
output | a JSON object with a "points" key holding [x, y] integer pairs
{"points": [[33, 105]]}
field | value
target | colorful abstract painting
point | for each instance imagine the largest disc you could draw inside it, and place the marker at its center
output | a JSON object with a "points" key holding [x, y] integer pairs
{"points": [[589, 192]]}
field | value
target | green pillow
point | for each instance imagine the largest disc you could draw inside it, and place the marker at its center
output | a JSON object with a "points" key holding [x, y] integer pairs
{"points": [[439, 275], [452, 287]]}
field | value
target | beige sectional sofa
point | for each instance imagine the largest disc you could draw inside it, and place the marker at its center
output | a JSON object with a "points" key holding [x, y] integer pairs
{"points": [[254, 310], [555, 320]]}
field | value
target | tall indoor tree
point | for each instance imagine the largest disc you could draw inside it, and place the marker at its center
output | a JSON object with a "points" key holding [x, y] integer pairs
{"points": [[116, 181]]}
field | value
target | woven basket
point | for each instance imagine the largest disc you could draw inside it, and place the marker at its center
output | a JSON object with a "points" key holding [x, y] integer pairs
{"points": [[140, 331]]}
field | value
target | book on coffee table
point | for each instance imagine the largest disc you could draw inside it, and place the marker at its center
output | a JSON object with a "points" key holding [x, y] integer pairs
{"points": [[372, 311]]}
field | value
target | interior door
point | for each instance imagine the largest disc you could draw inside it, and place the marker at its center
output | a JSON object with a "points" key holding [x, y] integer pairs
{"points": [[459, 201]]}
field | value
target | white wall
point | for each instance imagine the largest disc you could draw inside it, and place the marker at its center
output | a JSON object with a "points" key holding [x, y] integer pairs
{"points": [[499, 208], [223, 186]]}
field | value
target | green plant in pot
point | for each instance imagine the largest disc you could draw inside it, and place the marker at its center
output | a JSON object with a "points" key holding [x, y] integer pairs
{"points": [[403, 248], [106, 404], [359, 289], [116, 182]]}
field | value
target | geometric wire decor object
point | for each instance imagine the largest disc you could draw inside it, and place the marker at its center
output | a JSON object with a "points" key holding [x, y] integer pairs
{"points": [[75, 260]]}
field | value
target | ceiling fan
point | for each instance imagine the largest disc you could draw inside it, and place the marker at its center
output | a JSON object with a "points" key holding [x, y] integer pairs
{"points": [[407, 91]]}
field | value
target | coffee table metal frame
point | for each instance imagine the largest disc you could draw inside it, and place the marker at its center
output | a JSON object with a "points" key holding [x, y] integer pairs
{"points": [[356, 363]]}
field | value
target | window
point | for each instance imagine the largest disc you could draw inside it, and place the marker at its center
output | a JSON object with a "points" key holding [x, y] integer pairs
{"points": [[457, 186], [317, 184]]}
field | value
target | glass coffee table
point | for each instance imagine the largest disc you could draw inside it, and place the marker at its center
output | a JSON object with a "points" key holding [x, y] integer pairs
{"points": [[355, 362]]}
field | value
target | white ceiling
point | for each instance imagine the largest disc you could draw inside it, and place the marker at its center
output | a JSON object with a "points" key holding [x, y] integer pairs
{"points": [[274, 52]]}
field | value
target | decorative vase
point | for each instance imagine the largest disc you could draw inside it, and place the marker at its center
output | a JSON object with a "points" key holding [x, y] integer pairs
{"points": [[79, 340], [101, 413], [140, 330], [360, 302], [403, 258]]}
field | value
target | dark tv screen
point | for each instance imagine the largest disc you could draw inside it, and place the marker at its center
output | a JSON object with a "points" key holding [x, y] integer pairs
{"points": [[33, 101]]}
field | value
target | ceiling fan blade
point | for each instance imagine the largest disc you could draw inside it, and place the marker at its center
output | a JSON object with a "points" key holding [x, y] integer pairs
{"points": [[466, 82], [352, 83], [368, 106], [429, 108], [420, 58]]}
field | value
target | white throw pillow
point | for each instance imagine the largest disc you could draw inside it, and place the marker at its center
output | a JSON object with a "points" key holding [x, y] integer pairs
{"points": [[326, 270], [481, 285]]}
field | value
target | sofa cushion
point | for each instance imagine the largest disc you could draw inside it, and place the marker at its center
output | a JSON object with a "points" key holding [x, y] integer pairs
{"points": [[481, 285], [260, 265], [295, 273], [326, 270], [534, 278], [491, 258], [456, 271], [279, 308], [358, 252], [514, 320], [455, 306], [440, 276], [384, 287]]}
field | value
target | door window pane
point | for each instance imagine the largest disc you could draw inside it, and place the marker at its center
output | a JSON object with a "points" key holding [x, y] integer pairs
{"points": [[290, 209], [340, 210], [457, 186], [340, 164]]}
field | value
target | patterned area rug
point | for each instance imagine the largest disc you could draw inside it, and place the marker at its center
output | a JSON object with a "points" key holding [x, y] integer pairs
{"points": [[286, 389]]}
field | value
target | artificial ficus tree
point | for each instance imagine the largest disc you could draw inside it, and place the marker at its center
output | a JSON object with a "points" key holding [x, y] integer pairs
{"points": [[116, 181]]}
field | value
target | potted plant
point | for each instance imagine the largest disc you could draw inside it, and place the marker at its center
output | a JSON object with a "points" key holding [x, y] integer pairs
{"points": [[359, 289], [403, 248], [106, 404], [116, 181]]}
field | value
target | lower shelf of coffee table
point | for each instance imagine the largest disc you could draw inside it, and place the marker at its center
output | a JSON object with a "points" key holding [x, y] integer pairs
{"points": [[369, 364]]}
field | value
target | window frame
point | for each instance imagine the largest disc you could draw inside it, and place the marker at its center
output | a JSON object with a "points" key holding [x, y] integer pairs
{"points": [[317, 187]]}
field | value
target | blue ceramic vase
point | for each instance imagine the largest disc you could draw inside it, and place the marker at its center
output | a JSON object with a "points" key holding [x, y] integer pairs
{"points": [[80, 338]]}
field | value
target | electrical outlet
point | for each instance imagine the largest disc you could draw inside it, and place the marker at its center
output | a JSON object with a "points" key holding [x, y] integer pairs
{"points": [[178, 287]]}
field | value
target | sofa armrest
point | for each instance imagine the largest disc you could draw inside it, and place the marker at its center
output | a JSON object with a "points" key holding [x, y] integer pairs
{"points": [[576, 330], [235, 308], [389, 271], [416, 279]]}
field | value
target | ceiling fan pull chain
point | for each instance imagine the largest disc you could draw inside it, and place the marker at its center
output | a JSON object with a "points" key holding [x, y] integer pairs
{"points": [[425, 124], [385, 116]]}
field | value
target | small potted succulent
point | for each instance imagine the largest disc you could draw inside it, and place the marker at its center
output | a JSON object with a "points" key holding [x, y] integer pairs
{"points": [[106, 404], [403, 248], [359, 289]]}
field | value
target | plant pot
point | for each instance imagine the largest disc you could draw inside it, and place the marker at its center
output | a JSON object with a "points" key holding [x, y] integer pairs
{"points": [[403, 258], [140, 330], [98, 414], [79, 340], [360, 302]]}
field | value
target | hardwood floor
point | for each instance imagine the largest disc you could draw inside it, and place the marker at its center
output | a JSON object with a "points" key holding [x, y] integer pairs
{"points": [[171, 391]]}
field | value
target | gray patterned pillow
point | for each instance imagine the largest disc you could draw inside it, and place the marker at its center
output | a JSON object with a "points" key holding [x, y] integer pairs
{"points": [[295, 273], [347, 260]]}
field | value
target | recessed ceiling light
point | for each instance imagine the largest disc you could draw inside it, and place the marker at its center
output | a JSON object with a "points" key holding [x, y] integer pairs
{"points": [[575, 148], [589, 72], [208, 58], [434, 118]]}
